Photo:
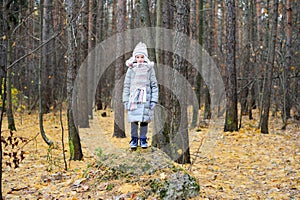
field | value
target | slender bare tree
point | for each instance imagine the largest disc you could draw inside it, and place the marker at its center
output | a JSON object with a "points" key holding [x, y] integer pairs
{"points": [[269, 71], [74, 139], [40, 74], [83, 76], [231, 120], [119, 126]]}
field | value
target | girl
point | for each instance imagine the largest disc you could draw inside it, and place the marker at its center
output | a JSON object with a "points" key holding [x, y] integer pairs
{"points": [[140, 94]]}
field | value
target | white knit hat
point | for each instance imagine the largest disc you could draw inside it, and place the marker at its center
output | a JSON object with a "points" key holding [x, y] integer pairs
{"points": [[140, 48]]}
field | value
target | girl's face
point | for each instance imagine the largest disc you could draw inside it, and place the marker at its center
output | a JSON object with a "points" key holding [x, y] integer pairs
{"points": [[140, 58]]}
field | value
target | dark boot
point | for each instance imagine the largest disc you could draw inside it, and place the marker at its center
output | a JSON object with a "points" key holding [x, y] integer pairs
{"points": [[134, 142], [143, 143]]}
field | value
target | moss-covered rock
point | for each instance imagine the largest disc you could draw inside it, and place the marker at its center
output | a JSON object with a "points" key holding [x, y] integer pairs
{"points": [[153, 170]]}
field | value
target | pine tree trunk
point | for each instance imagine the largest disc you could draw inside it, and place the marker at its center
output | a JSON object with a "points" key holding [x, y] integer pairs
{"points": [[286, 113], [92, 21], [179, 125], [74, 139], [161, 138], [231, 120], [119, 126], [83, 103], [210, 49], [194, 36], [48, 54], [145, 21], [3, 68], [245, 67], [100, 22], [9, 108], [269, 70], [41, 110]]}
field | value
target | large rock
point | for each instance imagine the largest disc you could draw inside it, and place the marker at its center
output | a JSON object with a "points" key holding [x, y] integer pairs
{"points": [[154, 172]]}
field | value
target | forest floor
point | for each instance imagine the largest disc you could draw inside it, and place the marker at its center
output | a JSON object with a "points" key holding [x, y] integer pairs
{"points": [[239, 165]]}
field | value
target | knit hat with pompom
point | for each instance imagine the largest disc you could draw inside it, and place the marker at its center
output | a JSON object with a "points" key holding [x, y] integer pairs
{"points": [[140, 48]]}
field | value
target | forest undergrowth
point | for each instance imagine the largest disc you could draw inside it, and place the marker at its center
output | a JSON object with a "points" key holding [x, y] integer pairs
{"points": [[241, 165]]}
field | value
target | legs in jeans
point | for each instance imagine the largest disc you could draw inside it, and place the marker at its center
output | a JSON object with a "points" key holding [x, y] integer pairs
{"points": [[134, 129], [134, 135], [143, 134], [143, 129]]}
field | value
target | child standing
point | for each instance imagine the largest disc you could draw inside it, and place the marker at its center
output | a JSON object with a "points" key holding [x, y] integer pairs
{"points": [[140, 94]]}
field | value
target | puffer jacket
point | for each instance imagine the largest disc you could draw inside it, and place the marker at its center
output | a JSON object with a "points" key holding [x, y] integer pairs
{"points": [[142, 112]]}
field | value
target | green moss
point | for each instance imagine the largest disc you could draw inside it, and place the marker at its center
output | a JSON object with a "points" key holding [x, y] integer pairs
{"points": [[71, 145], [110, 187]]}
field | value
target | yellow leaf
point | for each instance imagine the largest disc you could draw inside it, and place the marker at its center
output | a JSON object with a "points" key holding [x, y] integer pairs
{"points": [[179, 151], [126, 188], [265, 10], [292, 67], [4, 37]]}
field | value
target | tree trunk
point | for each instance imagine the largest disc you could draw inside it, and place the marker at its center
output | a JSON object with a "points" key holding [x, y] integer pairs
{"points": [[74, 139], [83, 103], [161, 139], [48, 54], [41, 110], [246, 83], [9, 109], [119, 126], [210, 49], [231, 120], [92, 21], [3, 64], [179, 138], [158, 40], [269, 70], [100, 37], [194, 36], [146, 22], [286, 113]]}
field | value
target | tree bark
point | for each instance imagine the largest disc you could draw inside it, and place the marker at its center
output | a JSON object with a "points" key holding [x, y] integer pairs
{"points": [[83, 103], [179, 126], [286, 113], [145, 21], [161, 139], [210, 49], [231, 119], [74, 139], [3, 65], [246, 83], [41, 110], [92, 21], [48, 55], [269, 70], [9, 109], [119, 126]]}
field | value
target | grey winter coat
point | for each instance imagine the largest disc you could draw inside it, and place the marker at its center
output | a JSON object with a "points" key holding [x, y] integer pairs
{"points": [[142, 113]]}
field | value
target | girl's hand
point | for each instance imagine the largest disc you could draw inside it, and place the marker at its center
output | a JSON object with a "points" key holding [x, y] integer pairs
{"points": [[152, 105], [126, 105]]}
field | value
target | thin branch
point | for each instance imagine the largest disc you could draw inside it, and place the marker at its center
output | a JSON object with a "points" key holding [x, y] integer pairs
{"points": [[34, 50]]}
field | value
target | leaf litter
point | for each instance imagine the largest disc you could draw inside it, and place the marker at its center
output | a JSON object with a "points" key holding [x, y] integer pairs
{"points": [[242, 165]]}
